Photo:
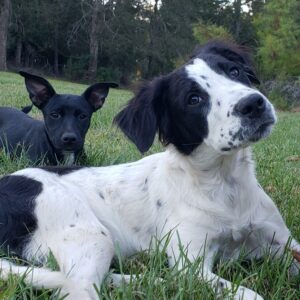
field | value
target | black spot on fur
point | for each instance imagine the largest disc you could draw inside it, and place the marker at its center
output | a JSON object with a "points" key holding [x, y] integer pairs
{"points": [[226, 149], [158, 203], [203, 77], [238, 135], [61, 170], [222, 134], [103, 233], [17, 220], [219, 103], [228, 114], [72, 225], [136, 229], [230, 132], [230, 143], [101, 195], [144, 185], [207, 84]]}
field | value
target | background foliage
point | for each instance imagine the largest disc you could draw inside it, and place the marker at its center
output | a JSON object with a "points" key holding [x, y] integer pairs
{"points": [[126, 40]]}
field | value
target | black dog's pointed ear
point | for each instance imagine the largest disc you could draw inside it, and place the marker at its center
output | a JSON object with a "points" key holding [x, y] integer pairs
{"points": [[139, 120], [96, 93], [39, 89]]}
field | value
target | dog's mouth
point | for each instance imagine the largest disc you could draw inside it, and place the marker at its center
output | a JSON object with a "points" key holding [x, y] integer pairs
{"points": [[250, 134], [262, 131], [68, 148]]}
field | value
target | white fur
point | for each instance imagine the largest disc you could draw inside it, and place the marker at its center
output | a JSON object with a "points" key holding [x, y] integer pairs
{"points": [[210, 201]]}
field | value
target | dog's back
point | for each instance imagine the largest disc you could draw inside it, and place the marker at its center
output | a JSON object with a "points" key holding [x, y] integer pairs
{"points": [[19, 132]]}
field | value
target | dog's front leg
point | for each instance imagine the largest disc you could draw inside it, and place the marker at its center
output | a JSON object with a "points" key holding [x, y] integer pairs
{"points": [[271, 231], [179, 250], [83, 253]]}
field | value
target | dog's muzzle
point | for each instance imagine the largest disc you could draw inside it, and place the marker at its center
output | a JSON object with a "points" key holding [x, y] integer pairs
{"points": [[257, 117]]}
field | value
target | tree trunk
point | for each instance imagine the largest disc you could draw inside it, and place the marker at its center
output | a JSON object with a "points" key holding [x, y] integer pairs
{"points": [[237, 18], [94, 43], [18, 57], [55, 46], [153, 23], [4, 20]]}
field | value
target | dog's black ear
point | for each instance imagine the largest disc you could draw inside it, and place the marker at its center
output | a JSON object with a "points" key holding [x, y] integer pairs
{"points": [[232, 52], [251, 74], [239, 55], [96, 93], [140, 119], [39, 89]]}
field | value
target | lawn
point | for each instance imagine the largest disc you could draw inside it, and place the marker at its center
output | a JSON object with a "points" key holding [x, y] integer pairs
{"points": [[278, 170]]}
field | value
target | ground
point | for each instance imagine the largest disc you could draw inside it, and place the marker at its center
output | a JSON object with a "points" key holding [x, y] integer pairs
{"points": [[278, 170]]}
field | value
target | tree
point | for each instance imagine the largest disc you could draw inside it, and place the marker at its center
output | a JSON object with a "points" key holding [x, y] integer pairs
{"points": [[205, 32], [278, 29], [96, 6], [4, 22]]}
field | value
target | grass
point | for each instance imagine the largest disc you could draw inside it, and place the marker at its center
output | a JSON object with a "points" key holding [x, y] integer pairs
{"points": [[278, 170]]}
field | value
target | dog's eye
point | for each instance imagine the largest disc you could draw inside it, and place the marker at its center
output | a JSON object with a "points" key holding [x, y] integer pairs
{"points": [[82, 116], [234, 72], [55, 115], [194, 100]]}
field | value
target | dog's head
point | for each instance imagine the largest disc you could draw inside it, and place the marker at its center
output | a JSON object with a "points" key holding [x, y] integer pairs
{"points": [[208, 100], [67, 117]]}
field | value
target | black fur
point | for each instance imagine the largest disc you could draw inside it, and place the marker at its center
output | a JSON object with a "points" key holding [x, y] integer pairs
{"points": [[17, 203], [162, 105], [62, 170], [222, 56]]}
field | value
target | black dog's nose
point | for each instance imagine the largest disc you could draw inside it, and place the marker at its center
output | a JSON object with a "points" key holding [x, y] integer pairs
{"points": [[251, 106], [69, 138]]}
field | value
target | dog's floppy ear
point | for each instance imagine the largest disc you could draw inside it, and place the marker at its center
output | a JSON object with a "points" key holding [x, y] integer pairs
{"points": [[140, 119], [39, 89], [96, 93]]}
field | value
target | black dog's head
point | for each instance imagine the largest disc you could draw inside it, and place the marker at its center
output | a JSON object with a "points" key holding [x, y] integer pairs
{"points": [[208, 100], [67, 117]]}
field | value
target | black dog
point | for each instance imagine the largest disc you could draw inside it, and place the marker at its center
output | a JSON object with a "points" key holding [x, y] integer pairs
{"points": [[60, 138]]}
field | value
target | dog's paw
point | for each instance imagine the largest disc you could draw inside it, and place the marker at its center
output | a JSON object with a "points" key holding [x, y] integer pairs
{"points": [[246, 294]]}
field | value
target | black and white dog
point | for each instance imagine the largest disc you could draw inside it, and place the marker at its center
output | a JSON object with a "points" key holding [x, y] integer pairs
{"points": [[60, 137], [202, 188]]}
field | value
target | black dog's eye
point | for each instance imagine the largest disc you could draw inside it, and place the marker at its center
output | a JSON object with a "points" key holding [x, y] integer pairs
{"points": [[55, 115], [194, 100], [82, 116], [234, 72]]}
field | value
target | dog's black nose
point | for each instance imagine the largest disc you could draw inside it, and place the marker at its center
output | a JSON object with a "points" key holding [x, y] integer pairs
{"points": [[69, 138], [251, 106]]}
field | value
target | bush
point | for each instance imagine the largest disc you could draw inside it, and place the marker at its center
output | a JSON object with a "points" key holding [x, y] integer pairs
{"points": [[205, 32], [285, 94], [76, 68], [108, 74]]}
